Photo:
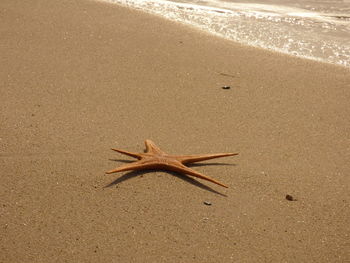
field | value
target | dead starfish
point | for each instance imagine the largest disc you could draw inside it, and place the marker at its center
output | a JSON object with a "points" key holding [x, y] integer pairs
{"points": [[155, 158]]}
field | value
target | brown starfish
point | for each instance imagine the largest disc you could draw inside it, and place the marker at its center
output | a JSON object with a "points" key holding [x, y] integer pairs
{"points": [[155, 158]]}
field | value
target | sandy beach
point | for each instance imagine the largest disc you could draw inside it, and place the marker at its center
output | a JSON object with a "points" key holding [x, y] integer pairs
{"points": [[81, 77]]}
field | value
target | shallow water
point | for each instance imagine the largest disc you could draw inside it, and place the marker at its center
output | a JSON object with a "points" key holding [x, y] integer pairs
{"points": [[318, 30]]}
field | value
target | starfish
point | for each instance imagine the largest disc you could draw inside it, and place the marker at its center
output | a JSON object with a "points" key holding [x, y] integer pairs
{"points": [[155, 158]]}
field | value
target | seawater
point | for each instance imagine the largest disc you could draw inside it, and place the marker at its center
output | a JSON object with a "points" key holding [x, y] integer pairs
{"points": [[313, 29]]}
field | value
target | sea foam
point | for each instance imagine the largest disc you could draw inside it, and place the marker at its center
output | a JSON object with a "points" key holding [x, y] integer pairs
{"points": [[295, 31]]}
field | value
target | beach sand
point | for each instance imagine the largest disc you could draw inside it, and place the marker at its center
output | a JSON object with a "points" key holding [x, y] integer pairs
{"points": [[80, 77]]}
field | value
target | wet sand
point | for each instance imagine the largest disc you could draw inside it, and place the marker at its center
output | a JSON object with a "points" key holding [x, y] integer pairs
{"points": [[80, 77]]}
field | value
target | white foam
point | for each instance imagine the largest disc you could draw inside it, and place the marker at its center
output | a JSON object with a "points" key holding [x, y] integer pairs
{"points": [[284, 29]]}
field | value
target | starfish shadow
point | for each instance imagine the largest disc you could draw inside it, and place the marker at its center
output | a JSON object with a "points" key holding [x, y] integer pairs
{"points": [[196, 183], [208, 164], [186, 178], [122, 160], [125, 177]]}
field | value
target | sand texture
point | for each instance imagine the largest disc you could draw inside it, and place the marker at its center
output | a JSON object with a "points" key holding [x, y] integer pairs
{"points": [[80, 77]]}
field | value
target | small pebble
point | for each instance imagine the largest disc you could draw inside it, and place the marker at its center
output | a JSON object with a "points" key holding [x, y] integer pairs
{"points": [[207, 203], [226, 87], [290, 198]]}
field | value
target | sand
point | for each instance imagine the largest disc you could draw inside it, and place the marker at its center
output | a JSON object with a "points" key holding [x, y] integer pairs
{"points": [[80, 77]]}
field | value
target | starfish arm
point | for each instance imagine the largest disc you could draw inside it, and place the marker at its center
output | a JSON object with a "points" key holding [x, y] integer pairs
{"points": [[135, 155], [127, 167], [201, 157], [151, 147], [186, 170]]}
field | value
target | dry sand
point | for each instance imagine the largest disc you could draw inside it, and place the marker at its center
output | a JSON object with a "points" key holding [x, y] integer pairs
{"points": [[80, 77]]}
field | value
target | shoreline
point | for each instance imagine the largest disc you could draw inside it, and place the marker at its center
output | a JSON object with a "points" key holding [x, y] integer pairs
{"points": [[297, 44], [82, 77]]}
